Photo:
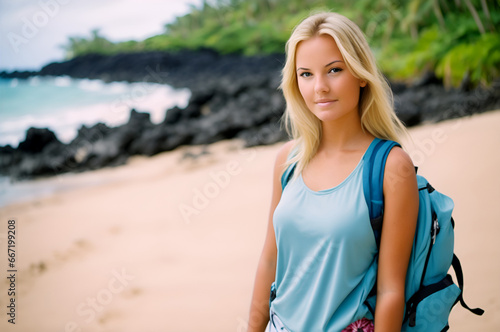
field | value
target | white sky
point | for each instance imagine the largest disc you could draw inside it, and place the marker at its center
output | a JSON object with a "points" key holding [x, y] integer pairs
{"points": [[31, 31]]}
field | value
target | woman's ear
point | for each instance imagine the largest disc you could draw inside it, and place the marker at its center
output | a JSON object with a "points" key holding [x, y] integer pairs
{"points": [[362, 83]]}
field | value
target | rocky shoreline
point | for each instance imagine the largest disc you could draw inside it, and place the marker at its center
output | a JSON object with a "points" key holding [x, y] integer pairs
{"points": [[232, 97]]}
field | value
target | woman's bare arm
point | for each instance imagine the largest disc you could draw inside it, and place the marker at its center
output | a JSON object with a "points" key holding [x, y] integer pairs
{"points": [[266, 269], [398, 230]]}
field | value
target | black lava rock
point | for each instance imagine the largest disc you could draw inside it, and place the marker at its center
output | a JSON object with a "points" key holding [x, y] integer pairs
{"points": [[232, 96]]}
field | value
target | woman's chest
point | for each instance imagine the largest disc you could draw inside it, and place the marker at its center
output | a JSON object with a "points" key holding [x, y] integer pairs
{"points": [[337, 213]]}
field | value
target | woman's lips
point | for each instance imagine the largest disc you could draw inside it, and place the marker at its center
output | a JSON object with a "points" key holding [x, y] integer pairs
{"points": [[325, 102]]}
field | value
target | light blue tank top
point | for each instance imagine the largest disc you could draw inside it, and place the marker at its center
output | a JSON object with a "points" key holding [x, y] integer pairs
{"points": [[326, 255]]}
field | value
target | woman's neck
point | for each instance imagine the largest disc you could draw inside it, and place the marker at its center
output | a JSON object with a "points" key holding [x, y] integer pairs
{"points": [[345, 134]]}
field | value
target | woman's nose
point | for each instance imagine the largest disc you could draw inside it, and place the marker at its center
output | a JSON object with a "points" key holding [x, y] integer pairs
{"points": [[321, 85]]}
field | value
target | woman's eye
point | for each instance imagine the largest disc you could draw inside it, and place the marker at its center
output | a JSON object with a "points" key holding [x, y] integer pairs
{"points": [[335, 70], [305, 74]]}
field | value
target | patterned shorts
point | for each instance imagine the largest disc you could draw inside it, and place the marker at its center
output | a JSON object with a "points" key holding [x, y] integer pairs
{"points": [[275, 324]]}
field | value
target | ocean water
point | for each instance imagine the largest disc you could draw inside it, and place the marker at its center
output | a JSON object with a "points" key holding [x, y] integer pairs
{"points": [[64, 104]]}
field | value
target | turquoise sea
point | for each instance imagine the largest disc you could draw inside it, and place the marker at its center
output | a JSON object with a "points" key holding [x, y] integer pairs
{"points": [[64, 105]]}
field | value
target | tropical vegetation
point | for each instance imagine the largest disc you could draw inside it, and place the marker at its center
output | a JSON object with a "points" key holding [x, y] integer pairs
{"points": [[453, 38]]}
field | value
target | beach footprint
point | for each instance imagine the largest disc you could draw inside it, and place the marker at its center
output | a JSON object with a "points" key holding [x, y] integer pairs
{"points": [[78, 249]]}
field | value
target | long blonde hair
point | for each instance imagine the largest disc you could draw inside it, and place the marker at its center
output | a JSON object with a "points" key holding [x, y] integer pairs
{"points": [[376, 105]]}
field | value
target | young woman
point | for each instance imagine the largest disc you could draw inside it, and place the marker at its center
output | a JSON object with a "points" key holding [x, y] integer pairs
{"points": [[320, 251]]}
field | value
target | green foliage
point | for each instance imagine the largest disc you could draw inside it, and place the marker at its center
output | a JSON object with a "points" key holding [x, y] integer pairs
{"points": [[405, 58], [451, 37], [96, 44], [453, 51], [481, 60]]}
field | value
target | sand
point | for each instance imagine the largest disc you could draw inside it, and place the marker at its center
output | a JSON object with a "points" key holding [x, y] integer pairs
{"points": [[171, 242]]}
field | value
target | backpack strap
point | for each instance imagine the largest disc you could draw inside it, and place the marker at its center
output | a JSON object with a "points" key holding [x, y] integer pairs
{"points": [[288, 173], [460, 279], [373, 181]]}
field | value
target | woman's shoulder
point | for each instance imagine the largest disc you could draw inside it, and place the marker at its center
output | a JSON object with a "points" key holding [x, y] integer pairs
{"points": [[282, 157], [284, 152], [398, 158], [399, 169]]}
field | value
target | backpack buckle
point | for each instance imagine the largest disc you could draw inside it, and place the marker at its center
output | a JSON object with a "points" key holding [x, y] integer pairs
{"points": [[411, 313], [435, 228], [272, 296], [412, 319]]}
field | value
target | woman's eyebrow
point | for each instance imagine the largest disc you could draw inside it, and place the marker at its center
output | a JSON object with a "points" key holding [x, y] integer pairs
{"points": [[329, 64]]}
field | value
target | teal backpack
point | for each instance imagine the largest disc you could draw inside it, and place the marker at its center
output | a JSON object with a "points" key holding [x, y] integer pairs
{"points": [[430, 292]]}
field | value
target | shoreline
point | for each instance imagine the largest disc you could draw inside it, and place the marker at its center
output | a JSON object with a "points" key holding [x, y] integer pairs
{"points": [[58, 183], [67, 182], [92, 101], [76, 245], [232, 96]]}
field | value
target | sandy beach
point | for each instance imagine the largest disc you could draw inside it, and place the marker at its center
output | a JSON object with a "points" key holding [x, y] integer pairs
{"points": [[171, 242]]}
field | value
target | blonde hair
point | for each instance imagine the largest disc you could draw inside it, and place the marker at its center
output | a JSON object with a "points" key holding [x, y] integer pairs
{"points": [[376, 100]]}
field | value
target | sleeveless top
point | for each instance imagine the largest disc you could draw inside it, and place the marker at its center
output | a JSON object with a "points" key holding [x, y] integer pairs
{"points": [[326, 263]]}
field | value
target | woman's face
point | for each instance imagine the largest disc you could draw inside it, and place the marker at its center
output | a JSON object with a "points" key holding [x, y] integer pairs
{"points": [[329, 89]]}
